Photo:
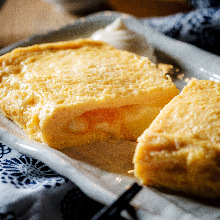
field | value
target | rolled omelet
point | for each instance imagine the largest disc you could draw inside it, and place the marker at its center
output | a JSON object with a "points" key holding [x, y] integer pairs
{"points": [[71, 93], [181, 148]]}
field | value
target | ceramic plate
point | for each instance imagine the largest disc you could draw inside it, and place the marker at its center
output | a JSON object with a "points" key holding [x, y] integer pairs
{"points": [[89, 173]]}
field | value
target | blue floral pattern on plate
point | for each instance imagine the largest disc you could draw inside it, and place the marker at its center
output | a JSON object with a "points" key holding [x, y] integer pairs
{"points": [[4, 150], [204, 3], [27, 172], [199, 27]]}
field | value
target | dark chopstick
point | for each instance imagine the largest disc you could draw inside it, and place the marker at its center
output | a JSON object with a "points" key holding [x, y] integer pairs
{"points": [[114, 209]]}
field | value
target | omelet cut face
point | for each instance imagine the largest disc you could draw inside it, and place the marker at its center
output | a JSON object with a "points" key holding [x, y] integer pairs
{"points": [[181, 148], [70, 93]]}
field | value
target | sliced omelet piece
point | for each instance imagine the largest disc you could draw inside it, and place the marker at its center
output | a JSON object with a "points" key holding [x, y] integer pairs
{"points": [[70, 93], [181, 148]]}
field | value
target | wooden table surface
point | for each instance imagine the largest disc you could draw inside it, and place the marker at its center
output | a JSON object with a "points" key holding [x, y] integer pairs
{"points": [[20, 19]]}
